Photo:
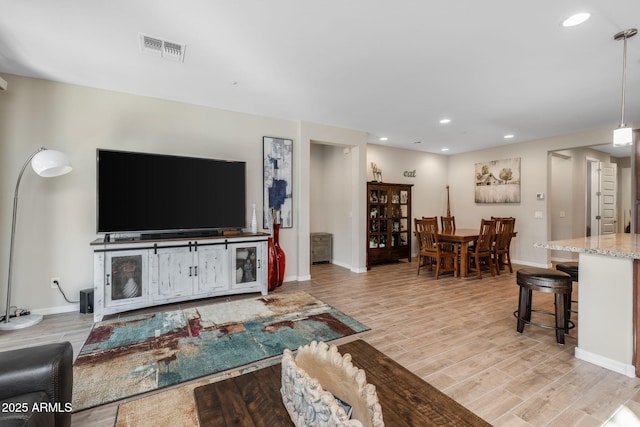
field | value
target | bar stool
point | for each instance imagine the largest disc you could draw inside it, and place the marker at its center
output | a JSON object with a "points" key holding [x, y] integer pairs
{"points": [[570, 268], [544, 280]]}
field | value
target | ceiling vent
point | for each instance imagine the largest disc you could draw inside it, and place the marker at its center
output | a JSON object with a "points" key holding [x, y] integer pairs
{"points": [[162, 48]]}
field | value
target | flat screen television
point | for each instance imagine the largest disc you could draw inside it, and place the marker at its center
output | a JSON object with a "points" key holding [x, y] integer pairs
{"points": [[156, 193]]}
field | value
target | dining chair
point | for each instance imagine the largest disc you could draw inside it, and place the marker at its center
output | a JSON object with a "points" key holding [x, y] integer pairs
{"points": [[448, 223], [500, 218], [433, 250], [483, 250], [421, 260], [501, 247]]}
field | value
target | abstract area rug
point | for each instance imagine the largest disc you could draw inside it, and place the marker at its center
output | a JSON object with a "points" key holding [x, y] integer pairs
{"points": [[174, 406], [128, 356]]}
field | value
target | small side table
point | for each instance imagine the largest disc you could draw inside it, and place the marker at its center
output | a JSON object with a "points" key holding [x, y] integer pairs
{"points": [[321, 247]]}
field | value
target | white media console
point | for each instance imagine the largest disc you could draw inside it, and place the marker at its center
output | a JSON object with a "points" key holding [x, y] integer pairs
{"points": [[133, 273]]}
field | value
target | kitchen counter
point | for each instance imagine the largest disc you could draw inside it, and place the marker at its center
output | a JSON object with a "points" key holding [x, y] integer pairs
{"points": [[606, 304], [622, 245]]}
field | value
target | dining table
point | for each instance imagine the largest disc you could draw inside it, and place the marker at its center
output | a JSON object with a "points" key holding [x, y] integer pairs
{"points": [[461, 237]]}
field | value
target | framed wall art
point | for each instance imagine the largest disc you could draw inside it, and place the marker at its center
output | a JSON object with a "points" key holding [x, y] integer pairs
{"points": [[278, 177], [498, 181]]}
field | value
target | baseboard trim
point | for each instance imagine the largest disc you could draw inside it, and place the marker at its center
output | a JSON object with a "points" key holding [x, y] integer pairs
{"points": [[605, 362], [58, 310], [530, 264]]}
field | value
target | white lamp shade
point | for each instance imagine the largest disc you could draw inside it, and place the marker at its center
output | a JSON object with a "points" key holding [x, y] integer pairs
{"points": [[622, 136], [50, 163]]}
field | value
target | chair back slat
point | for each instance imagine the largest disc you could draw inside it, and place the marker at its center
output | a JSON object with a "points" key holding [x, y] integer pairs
{"points": [[448, 223], [487, 235], [427, 232], [504, 232], [499, 219]]}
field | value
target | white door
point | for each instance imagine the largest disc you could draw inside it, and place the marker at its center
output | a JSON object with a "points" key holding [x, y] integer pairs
{"points": [[176, 272], [607, 204], [213, 270]]}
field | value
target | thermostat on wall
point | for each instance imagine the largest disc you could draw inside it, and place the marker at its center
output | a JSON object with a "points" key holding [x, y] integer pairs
{"points": [[540, 196]]}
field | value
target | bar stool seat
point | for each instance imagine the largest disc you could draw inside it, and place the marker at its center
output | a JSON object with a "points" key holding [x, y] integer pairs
{"points": [[550, 281]]}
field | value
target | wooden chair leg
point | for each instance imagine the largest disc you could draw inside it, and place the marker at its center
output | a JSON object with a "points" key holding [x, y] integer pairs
{"points": [[456, 266]]}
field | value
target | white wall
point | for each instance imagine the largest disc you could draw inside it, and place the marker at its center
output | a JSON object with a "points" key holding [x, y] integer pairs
{"points": [[561, 201], [535, 179], [57, 216], [428, 194]]}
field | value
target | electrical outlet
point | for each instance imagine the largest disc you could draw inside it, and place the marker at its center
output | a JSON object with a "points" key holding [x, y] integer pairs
{"points": [[55, 281]]}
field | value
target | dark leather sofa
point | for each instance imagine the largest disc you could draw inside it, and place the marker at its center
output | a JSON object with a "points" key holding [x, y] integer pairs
{"points": [[35, 385]]}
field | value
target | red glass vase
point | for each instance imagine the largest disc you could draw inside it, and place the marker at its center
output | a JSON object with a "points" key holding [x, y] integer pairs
{"points": [[272, 280], [280, 259]]}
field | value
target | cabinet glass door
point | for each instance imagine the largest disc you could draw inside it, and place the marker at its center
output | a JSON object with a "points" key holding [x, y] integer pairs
{"points": [[404, 224], [246, 263], [378, 221], [126, 277]]}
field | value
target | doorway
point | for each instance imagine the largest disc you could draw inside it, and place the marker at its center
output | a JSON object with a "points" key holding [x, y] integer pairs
{"points": [[571, 192], [330, 202]]}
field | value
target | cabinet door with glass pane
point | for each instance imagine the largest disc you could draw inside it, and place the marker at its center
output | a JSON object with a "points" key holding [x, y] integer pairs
{"points": [[388, 222], [126, 277], [248, 267]]}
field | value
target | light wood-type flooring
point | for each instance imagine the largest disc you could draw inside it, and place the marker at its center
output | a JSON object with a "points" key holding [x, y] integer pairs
{"points": [[457, 334]]}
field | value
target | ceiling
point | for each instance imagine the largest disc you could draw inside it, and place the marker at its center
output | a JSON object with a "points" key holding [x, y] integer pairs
{"points": [[389, 68]]}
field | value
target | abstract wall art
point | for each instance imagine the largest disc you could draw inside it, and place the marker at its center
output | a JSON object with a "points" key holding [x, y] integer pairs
{"points": [[277, 157]]}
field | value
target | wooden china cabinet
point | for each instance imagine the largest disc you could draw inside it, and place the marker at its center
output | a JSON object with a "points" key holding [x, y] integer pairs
{"points": [[389, 222]]}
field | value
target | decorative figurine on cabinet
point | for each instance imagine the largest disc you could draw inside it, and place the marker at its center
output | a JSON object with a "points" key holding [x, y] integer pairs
{"points": [[377, 172]]}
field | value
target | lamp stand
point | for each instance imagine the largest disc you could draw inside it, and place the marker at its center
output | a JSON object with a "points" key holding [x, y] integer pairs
{"points": [[31, 319]]}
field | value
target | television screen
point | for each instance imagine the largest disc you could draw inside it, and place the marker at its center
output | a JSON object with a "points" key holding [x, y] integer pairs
{"points": [[140, 192]]}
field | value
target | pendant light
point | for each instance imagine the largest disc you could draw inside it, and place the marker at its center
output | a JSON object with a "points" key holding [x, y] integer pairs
{"points": [[623, 135]]}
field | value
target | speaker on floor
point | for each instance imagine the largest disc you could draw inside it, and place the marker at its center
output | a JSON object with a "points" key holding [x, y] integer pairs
{"points": [[86, 301]]}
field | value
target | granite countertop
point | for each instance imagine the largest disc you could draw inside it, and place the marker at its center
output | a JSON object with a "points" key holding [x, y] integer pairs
{"points": [[621, 245]]}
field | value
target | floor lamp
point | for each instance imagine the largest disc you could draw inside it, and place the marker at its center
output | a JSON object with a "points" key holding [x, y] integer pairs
{"points": [[46, 163]]}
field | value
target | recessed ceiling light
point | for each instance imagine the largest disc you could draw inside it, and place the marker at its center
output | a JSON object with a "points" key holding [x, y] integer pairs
{"points": [[418, 142], [509, 136], [576, 19], [384, 138], [444, 149], [445, 121]]}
